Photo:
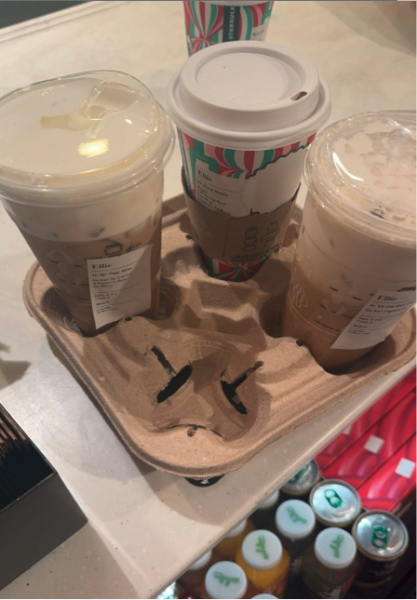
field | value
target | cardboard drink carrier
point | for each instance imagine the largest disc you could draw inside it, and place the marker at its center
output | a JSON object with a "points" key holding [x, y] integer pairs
{"points": [[209, 383]]}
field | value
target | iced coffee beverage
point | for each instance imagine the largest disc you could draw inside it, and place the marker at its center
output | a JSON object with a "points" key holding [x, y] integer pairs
{"points": [[354, 273], [81, 175]]}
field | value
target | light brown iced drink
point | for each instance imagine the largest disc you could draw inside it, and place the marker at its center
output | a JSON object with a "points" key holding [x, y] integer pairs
{"points": [[354, 274], [81, 175]]}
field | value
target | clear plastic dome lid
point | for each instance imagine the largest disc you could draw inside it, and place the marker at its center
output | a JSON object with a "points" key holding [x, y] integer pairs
{"points": [[86, 132], [364, 169]]}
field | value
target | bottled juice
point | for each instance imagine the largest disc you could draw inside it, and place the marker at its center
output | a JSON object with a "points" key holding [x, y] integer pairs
{"points": [[265, 562], [190, 582], [265, 511], [224, 580], [295, 523], [230, 544], [329, 567]]}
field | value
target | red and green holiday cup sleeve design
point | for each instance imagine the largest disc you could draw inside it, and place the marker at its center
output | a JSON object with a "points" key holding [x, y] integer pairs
{"points": [[236, 164], [207, 24], [231, 271]]}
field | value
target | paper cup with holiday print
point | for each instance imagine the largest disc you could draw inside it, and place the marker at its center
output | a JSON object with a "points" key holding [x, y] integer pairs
{"points": [[209, 23], [246, 113]]}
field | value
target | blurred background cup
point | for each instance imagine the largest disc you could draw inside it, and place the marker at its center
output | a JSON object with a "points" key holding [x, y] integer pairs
{"points": [[354, 273], [81, 175], [209, 23], [246, 112]]}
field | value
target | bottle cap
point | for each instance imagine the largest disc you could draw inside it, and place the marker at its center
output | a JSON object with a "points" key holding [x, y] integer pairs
{"points": [[202, 561], [295, 519], [238, 529], [335, 548], [269, 501], [226, 580], [262, 550]]}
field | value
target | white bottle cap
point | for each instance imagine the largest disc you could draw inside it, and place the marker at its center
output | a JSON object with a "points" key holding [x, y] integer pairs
{"points": [[265, 596], [248, 96], [335, 548], [226, 580], [295, 519], [238, 529], [269, 501], [202, 561], [262, 550]]}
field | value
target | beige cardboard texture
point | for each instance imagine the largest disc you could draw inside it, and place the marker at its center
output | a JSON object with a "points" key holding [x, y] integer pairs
{"points": [[238, 239], [203, 388]]}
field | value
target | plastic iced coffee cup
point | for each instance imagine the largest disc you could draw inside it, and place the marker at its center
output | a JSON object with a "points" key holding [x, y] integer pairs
{"points": [[354, 274], [246, 113], [209, 23], [81, 175]]}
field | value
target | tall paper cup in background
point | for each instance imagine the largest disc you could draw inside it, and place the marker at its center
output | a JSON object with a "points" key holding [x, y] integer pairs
{"points": [[246, 113], [81, 175], [209, 23]]}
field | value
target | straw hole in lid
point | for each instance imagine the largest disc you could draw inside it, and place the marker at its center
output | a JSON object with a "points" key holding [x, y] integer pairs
{"points": [[298, 96]]}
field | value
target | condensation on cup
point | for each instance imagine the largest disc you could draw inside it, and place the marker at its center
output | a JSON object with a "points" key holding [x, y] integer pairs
{"points": [[354, 273], [81, 175]]}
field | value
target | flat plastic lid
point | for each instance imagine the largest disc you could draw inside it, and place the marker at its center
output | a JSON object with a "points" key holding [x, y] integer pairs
{"points": [[238, 529], [295, 519], [88, 131], [269, 501], [202, 561], [364, 169], [335, 502], [249, 95], [265, 596], [380, 535], [262, 550], [226, 580], [335, 548]]}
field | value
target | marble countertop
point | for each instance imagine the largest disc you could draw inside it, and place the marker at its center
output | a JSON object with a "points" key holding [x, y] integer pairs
{"points": [[145, 526]]}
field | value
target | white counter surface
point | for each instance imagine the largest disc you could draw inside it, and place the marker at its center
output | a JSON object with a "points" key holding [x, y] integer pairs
{"points": [[146, 526]]}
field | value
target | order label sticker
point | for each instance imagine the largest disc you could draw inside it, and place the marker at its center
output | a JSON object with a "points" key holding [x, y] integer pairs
{"points": [[120, 287], [218, 192], [376, 320]]}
